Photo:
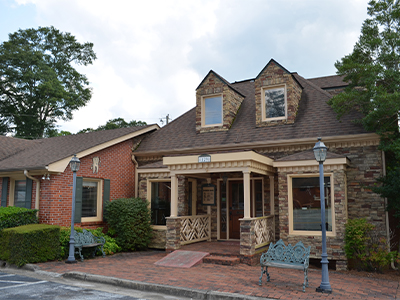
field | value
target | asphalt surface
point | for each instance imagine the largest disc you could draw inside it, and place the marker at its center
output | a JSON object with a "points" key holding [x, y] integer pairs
{"points": [[17, 284]]}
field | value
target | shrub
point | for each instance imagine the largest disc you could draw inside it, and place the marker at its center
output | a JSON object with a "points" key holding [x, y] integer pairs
{"points": [[130, 219], [110, 246], [12, 216], [366, 246], [30, 244]]}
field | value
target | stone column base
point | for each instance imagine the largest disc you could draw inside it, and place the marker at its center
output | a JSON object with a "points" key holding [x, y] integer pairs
{"points": [[247, 237], [341, 265], [173, 237]]}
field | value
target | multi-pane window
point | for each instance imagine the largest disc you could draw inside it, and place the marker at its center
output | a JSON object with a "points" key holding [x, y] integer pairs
{"points": [[89, 199], [306, 204], [160, 202], [274, 103], [19, 193], [212, 110]]}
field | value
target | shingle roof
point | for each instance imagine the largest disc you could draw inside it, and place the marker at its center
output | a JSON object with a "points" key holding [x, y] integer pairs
{"points": [[10, 146], [328, 82], [39, 153], [314, 118]]}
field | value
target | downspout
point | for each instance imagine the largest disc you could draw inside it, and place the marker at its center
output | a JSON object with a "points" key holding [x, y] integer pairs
{"points": [[386, 211], [37, 188], [136, 175]]}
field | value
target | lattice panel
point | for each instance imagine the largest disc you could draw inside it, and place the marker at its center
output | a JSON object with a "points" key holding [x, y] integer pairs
{"points": [[264, 230], [194, 229]]}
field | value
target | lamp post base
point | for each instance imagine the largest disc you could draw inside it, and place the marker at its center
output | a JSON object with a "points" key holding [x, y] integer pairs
{"points": [[70, 261], [323, 290]]}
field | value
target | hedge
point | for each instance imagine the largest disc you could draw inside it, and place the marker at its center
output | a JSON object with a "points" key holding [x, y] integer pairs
{"points": [[12, 216], [30, 244]]}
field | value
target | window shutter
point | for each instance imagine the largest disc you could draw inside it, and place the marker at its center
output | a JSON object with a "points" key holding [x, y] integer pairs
{"points": [[28, 193], [4, 191], [78, 199], [106, 195]]}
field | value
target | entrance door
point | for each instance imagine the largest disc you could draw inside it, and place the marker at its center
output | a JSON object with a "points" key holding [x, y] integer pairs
{"points": [[236, 208]]}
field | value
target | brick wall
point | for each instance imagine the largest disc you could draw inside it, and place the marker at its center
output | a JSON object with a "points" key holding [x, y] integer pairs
{"points": [[56, 193], [271, 76]]}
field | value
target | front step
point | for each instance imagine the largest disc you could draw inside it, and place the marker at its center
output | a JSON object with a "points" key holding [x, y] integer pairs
{"points": [[221, 260]]}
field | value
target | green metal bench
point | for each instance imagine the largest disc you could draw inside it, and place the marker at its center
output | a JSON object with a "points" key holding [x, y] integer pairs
{"points": [[281, 256], [86, 239]]}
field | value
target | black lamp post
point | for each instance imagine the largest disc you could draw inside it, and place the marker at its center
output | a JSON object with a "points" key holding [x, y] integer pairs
{"points": [[320, 151], [74, 165]]}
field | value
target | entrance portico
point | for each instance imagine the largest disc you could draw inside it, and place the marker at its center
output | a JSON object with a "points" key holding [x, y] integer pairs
{"points": [[255, 231]]}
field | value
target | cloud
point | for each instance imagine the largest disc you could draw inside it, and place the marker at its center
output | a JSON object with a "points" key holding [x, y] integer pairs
{"points": [[153, 54]]}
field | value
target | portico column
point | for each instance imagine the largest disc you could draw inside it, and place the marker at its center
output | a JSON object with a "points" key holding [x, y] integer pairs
{"points": [[246, 190], [174, 196]]}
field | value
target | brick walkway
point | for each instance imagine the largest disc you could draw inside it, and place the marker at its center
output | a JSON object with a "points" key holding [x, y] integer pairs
{"points": [[243, 279]]}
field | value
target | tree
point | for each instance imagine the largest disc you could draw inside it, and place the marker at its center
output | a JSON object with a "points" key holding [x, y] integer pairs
{"points": [[114, 124], [373, 73], [38, 82]]}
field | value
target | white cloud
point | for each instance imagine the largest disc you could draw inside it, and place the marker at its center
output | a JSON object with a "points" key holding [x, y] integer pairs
{"points": [[153, 54]]}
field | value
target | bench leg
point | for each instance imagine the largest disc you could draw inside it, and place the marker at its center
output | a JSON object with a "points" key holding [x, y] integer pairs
{"points": [[305, 284], [80, 253], [263, 272]]}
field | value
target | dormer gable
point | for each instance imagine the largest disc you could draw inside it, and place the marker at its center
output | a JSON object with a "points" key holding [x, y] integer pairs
{"points": [[217, 104], [277, 96]]}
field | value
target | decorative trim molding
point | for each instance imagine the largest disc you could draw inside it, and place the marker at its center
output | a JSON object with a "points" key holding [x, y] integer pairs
{"points": [[153, 173]]}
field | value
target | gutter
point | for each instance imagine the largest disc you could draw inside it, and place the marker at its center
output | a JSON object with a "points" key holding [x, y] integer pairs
{"points": [[136, 175], [37, 188]]}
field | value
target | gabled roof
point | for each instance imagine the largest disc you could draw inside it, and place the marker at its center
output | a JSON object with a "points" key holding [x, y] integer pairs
{"points": [[222, 79], [275, 62], [40, 154], [314, 118]]}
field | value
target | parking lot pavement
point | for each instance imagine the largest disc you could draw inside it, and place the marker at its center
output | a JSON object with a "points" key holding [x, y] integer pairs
{"points": [[18, 287]]}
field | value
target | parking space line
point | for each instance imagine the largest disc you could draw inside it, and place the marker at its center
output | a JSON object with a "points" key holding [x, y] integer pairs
{"points": [[24, 284], [6, 275]]}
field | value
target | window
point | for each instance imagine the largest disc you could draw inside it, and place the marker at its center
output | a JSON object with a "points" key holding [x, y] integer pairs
{"points": [[274, 103], [19, 193], [89, 199], [305, 205], [160, 202], [212, 110]]}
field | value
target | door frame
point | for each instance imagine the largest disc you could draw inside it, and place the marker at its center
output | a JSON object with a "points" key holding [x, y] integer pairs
{"points": [[219, 202]]}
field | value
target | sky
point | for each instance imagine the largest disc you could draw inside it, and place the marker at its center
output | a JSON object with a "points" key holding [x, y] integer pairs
{"points": [[152, 55]]}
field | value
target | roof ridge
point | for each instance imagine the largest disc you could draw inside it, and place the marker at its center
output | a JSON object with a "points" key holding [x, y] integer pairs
{"points": [[322, 91]]}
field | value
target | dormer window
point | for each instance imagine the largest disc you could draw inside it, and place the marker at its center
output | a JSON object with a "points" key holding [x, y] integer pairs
{"points": [[212, 110], [274, 106]]}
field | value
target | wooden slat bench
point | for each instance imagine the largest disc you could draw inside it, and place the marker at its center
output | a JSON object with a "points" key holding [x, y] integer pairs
{"points": [[281, 256], [86, 239]]}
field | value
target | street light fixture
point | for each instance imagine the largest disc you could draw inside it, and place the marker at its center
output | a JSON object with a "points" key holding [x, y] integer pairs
{"points": [[74, 165], [320, 151]]}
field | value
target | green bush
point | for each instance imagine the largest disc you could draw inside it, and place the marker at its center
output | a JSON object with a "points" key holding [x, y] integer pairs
{"points": [[30, 244], [110, 246], [365, 245], [12, 216], [130, 219]]}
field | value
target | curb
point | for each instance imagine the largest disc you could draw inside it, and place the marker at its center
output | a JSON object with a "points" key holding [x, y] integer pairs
{"points": [[159, 288]]}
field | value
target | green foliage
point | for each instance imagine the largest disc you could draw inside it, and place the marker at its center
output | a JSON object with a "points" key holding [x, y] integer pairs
{"points": [[373, 73], [114, 124], [110, 247], [130, 220], [13, 216], [365, 245], [38, 82], [30, 244]]}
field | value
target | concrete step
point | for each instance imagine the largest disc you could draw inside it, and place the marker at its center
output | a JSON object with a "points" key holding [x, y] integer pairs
{"points": [[221, 260]]}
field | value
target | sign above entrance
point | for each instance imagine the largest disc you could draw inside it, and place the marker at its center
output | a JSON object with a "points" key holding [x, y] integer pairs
{"points": [[204, 158], [208, 194]]}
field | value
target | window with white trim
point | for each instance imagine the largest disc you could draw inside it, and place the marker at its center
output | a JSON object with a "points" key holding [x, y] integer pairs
{"points": [[212, 110], [160, 202], [92, 203], [305, 205], [274, 103]]}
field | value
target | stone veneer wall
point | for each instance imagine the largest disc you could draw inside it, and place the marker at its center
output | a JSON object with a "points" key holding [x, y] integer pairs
{"points": [[335, 246], [231, 102], [273, 75]]}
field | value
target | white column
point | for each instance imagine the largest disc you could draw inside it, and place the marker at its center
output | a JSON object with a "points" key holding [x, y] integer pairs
{"points": [[246, 190], [271, 195], [174, 196]]}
